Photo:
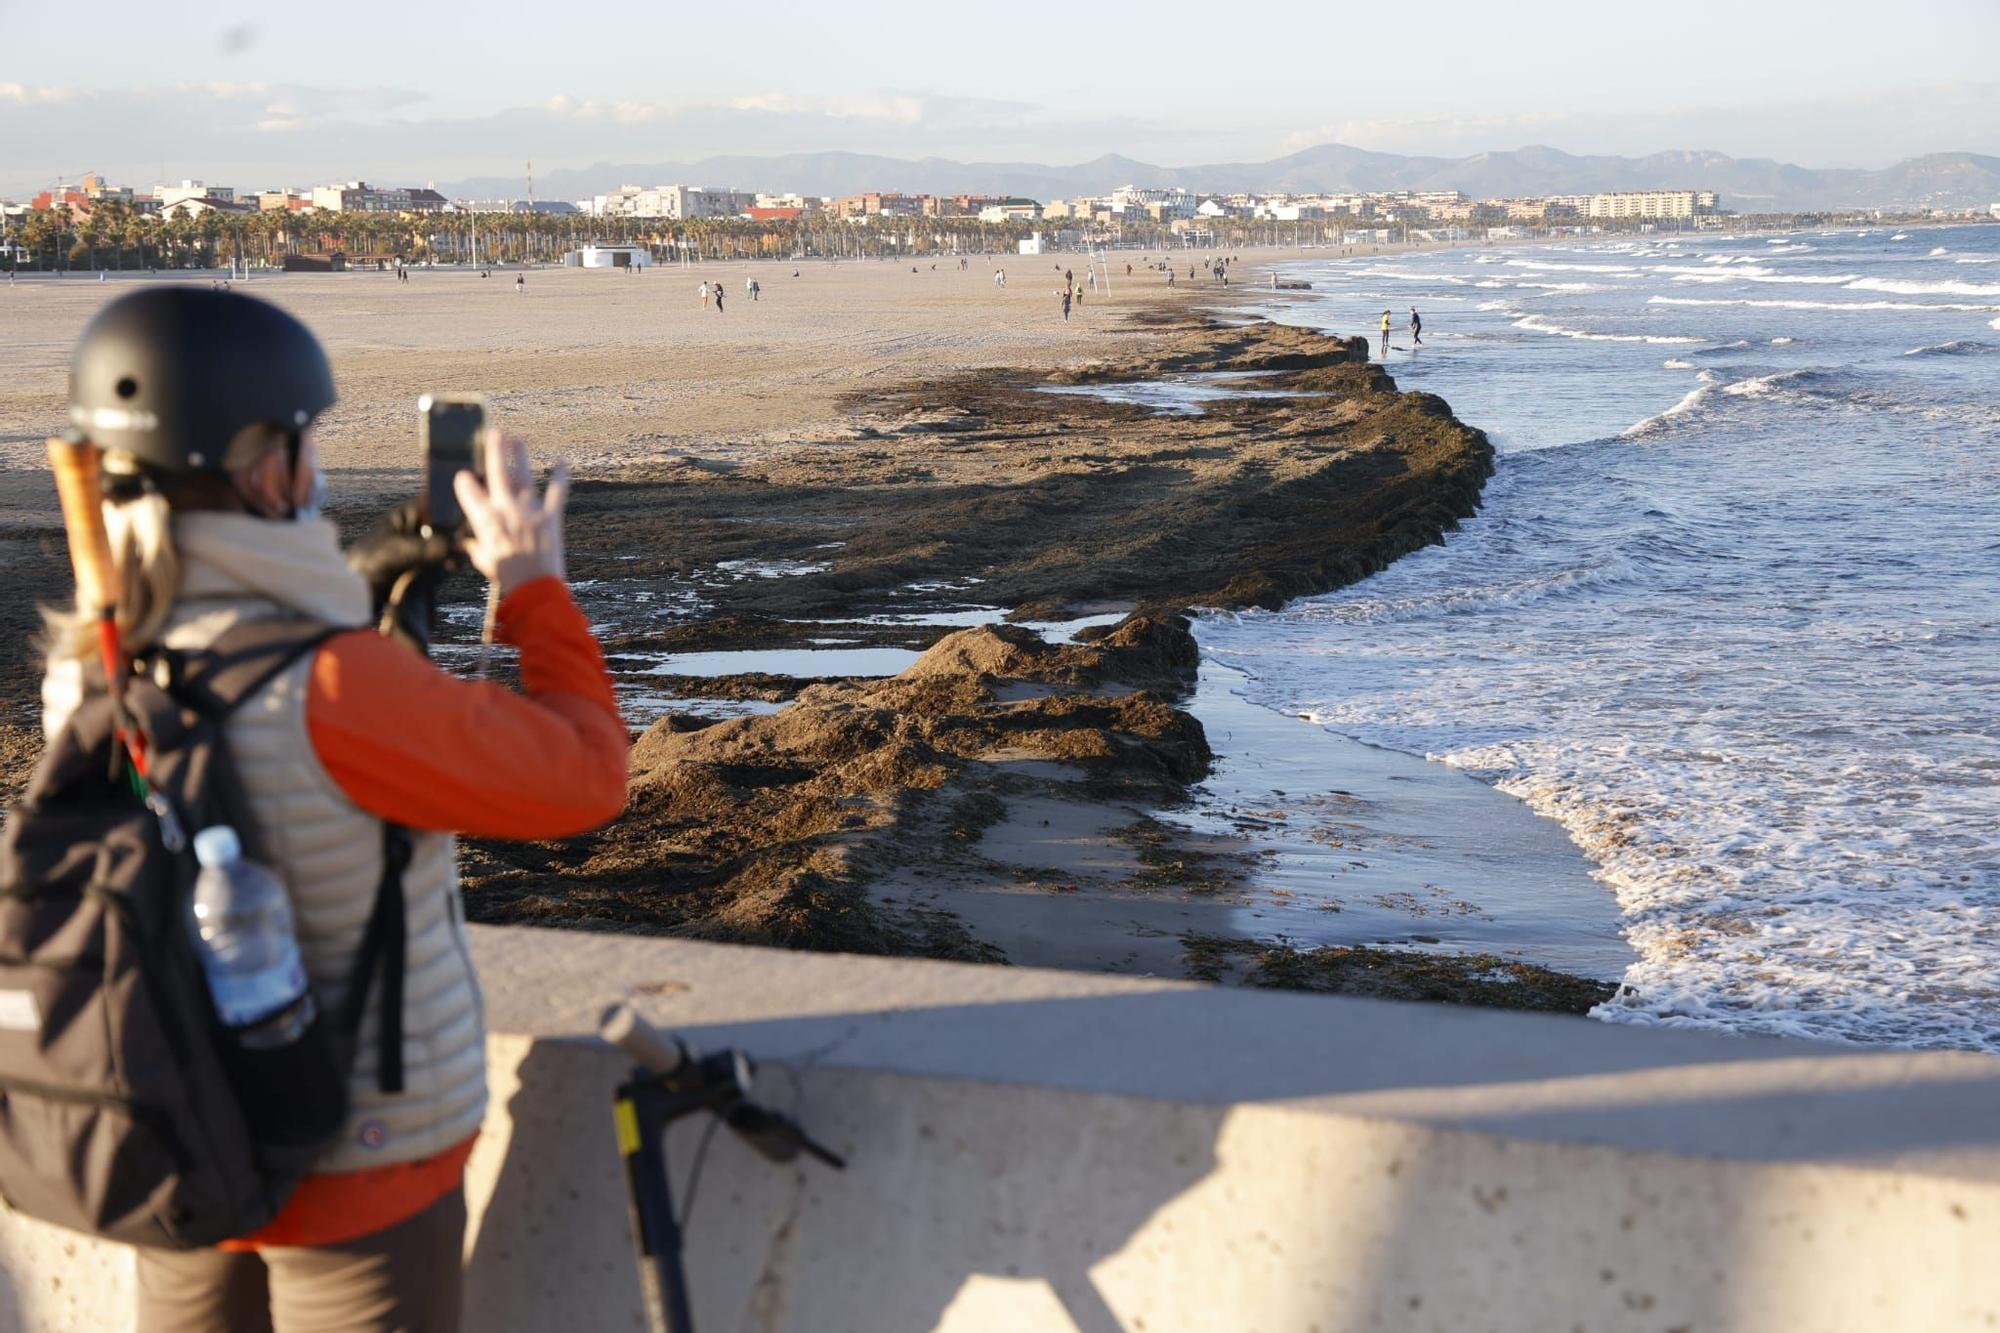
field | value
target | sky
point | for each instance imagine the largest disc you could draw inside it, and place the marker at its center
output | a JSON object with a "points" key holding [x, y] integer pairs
{"points": [[267, 95]]}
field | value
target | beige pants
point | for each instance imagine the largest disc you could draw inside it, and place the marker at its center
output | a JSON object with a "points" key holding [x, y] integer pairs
{"points": [[404, 1279]]}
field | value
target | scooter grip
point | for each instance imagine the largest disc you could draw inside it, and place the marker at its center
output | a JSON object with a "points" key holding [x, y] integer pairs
{"points": [[650, 1048]]}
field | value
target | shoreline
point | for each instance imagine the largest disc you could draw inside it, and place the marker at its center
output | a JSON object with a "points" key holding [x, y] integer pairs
{"points": [[881, 507]]}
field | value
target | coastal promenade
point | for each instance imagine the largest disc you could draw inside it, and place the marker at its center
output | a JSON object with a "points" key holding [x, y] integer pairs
{"points": [[1034, 1151]]}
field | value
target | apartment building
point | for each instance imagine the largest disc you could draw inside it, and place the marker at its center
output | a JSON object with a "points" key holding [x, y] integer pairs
{"points": [[672, 201], [1651, 204], [361, 197], [879, 204], [169, 195]]}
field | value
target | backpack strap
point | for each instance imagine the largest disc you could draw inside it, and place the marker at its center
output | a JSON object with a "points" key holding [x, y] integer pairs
{"points": [[383, 943], [214, 683]]}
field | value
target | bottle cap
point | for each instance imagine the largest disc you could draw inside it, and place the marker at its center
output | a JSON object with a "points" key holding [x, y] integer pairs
{"points": [[217, 846]]}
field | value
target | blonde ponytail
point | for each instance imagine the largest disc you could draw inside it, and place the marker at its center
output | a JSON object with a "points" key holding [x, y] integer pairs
{"points": [[147, 571]]}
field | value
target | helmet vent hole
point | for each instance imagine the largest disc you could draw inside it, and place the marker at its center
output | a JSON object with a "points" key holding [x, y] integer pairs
{"points": [[127, 387]]}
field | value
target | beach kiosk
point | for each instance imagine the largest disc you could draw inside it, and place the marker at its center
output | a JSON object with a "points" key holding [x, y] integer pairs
{"points": [[609, 256]]}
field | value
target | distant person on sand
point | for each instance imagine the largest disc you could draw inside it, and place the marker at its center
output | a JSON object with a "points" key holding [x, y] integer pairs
{"points": [[1385, 333], [704, 294], [521, 284], [1416, 328], [1170, 277], [718, 298], [1064, 293]]}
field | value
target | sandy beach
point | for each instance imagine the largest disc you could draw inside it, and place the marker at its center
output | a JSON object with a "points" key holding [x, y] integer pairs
{"points": [[863, 461]]}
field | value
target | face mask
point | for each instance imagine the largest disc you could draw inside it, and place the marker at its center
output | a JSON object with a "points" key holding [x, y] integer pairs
{"points": [[315, 502]]}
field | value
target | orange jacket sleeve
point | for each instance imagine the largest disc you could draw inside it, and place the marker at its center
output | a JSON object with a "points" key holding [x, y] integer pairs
{"points": [[411, 743]]}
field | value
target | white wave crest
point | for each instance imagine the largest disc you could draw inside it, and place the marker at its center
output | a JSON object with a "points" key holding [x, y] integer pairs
{"points": [[1901, 288], [1956, 347], [1675, 363], [1660, 421], [1536, 324], [1814, 305]]}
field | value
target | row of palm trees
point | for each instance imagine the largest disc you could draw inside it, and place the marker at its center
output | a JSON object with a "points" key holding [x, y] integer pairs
{"points": [[116, 235]]}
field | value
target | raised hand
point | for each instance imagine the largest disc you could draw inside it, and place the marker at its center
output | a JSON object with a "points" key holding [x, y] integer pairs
{"points": [[516, 533]]}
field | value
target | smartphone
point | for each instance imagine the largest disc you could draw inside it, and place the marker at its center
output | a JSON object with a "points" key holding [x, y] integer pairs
{"points": [[449, 427]]}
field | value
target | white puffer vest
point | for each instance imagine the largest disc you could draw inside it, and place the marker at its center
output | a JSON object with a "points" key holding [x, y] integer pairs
{"points": [[326, 849]]}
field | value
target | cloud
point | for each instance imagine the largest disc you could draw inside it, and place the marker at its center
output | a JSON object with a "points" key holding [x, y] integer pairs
{"points": [[254, 134], [1860, 129]]}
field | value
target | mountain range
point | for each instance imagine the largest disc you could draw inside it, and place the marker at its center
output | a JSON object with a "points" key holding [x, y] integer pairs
{"points": [[1747, 185]]}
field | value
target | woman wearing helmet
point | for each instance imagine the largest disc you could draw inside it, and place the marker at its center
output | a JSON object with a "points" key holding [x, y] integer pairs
{"points": [[203, 404]]}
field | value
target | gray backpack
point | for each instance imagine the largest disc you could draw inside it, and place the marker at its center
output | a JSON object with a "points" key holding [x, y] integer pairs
{"points": [[127, 1110]]}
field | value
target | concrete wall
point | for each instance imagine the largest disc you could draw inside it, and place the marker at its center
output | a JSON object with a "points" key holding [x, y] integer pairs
{"points": [[1038, 1150]]}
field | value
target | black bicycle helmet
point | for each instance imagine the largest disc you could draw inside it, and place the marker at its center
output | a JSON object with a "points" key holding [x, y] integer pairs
{"points": [[174, 376]]}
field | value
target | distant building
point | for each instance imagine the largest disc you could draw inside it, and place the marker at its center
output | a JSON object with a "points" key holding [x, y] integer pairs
{"points": [[539, 207], [1160, 205], [775, 213], [672, 201], [879, 204], [609, 256], [284, 201], [1011, 210], [1651, 204], [169, 195], [203, 205], [361, 197], [804, 203]]}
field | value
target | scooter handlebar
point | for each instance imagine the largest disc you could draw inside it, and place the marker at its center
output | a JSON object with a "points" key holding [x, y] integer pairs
{"points": [[651, 1049]]}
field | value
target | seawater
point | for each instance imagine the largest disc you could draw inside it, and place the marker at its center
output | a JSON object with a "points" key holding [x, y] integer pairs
{"points": [[1730, 611]]}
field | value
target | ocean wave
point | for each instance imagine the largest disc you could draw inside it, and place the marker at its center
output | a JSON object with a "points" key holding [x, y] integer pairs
{"points": [[1900, 236], [1404, 276], [1806, 381], [1782, 341], [1939, 250], [1675, 363], [1779, 304], [1900, 287], [1659, 421], [1543, 265], [1462, 599], [1536, 324], [1956, 347]]}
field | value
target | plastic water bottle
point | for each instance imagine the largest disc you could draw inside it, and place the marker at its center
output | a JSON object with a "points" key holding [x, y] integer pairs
{"points": [[243, 931]]}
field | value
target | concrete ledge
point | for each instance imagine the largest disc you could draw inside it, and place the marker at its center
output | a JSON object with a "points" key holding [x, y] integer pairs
{"points": [[1041, 1150]]}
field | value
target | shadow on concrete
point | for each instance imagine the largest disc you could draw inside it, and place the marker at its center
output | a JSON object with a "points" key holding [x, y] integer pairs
{"points": [[1032, 1141]]}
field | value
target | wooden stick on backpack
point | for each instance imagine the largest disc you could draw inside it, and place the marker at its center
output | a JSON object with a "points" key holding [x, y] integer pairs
{"points": [[78, 468]]}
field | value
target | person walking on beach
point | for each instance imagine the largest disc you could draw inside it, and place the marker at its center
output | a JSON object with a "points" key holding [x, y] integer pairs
{"points": [[1064, 293], [1385, 333], [1416, 328], [718, 298], [520, 284], [1170, 277], [704, 294]]}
